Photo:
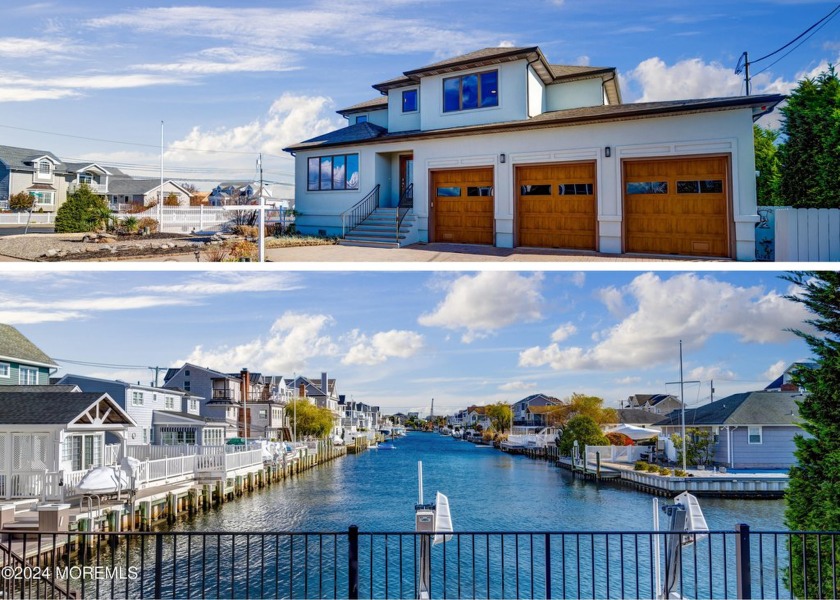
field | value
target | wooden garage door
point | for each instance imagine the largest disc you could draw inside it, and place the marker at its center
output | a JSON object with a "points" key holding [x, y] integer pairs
{"points": [[556, 205], [463, 206], [677, 206]]}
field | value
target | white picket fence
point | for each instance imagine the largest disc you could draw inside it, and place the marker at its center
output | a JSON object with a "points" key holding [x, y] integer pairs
{"points": [[21, 218], [807, 234], [177, 219]]}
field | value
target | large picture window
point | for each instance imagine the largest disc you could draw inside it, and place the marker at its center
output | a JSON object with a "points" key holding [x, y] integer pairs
{"points": [[28, 376], [338, 172], [43, 198], [476, 90]]}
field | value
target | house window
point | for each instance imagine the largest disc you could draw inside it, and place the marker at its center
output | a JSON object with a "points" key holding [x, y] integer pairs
{"points": [[409, 101], [263, 414], [5, 370], [83, 451], [361, 119], [28, 376], [43, 198], [85, 178], [476, 90], [187, 385], [755, 435], [44, 168], [193, 405], [169, 402], [340, 172], [169, 437], [136, 398], [213, 437], [647, 187], [187, 373]]}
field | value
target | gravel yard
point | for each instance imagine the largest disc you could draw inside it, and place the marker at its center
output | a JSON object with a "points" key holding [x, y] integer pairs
{"points": [[51, 247]]}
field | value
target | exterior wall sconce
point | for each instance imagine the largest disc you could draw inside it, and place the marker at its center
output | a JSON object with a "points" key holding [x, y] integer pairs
{"points": [[607, 151], [502, 158]]}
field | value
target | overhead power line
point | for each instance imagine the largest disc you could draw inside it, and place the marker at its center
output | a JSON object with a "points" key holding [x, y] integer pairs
{"points": [[744, 61], [141, 145]]}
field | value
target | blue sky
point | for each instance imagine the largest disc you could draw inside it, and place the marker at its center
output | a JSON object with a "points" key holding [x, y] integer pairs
{"points": [[236, 78], [399, 339]]}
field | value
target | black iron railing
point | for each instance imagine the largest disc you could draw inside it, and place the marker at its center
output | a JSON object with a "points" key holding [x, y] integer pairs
{"points": [[353, 564], [360, 211], [405, 205]]}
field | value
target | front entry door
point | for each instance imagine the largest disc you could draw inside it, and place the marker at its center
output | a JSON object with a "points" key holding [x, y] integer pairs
{"points": [[407, 179]]}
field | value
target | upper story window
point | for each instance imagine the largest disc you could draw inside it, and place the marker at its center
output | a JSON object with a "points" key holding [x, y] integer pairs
{"points": [[409, 101], [44, 168], [28, 376], [361, 119], [5, 370], [339, 172], [476, 90], [169, 402], [137, 398], [85, 178]]}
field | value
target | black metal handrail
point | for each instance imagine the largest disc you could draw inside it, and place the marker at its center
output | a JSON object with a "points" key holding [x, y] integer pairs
{"points": [[360, 211], [405, 205], [352, 564]]}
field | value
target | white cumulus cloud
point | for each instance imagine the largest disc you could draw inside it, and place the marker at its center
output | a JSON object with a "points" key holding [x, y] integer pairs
{"points": [[486, 302], [564, 331], [518, 386], [376, 349], [684, 307], [774, 371]]}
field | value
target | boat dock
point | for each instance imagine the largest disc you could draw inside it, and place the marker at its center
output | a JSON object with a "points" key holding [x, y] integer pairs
{"points": [[212, 481], [580, 468]]}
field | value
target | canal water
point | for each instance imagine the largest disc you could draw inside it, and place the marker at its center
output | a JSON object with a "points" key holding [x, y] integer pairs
{"points": [[488, 491]]}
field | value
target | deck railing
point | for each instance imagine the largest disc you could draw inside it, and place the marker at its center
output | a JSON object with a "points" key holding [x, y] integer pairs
{"points": [[359, 211], [353, 564]]}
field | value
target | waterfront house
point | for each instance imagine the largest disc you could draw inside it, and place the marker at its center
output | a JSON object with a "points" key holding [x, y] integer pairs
{"points": [[21, 361], [501, 147], [47, 434], [175, 428], [39, 173], [321, 392], [751, 429], [141, 402], [477, 418], [524, 417], [660, 404]]}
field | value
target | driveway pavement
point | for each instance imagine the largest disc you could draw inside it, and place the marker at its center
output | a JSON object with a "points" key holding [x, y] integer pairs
{"points": [[449, 253]]}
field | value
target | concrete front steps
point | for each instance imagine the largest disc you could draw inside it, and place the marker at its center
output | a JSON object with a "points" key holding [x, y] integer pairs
{"points": [[379, 230]]}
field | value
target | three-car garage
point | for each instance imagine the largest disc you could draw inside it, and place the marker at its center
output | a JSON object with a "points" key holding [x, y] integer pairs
{"points": [[674, 206]]}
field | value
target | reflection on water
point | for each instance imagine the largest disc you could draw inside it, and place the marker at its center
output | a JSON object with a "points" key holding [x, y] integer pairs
{"points": [[487, 490]]}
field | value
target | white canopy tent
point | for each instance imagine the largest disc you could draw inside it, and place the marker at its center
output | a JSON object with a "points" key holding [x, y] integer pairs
{"points": [[635, 433]]}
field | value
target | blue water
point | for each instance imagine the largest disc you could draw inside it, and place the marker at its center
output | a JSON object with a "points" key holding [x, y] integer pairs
{"points": [[487, 489]]}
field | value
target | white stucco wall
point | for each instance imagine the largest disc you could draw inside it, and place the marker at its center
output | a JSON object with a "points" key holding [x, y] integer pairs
{"points": [[377, 117], [574, 94], [712, 133], [536, 94], [512, 101], [397, 119]]}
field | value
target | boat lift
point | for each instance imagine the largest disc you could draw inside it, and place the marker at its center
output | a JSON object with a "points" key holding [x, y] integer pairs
{"points": [[430, 519], [686, 526]]}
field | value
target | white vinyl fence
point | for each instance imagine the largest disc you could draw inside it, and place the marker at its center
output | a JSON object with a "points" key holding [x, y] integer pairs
{"points": [[21, 218], [807, 234], [186, 219]]}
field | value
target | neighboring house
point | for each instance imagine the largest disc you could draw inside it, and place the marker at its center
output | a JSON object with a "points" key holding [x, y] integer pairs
{"points": [[358, 416], [128, 190], [477, 415], [500, 147], [633, 416], [237, 192], [179, 427], [784, 382], [21, 361], [93, 175], [523, 416], [249, 403], [39, 173], [321, 392], [48, 433], [141, 402], [660, 404], [751, 429]]}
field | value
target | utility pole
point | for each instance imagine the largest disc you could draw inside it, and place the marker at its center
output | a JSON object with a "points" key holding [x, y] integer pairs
{"points": [[711, 391], [160, 192], [157, 373], [744, 66], [262, 212]]}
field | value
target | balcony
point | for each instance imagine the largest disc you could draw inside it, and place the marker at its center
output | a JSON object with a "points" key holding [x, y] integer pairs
{"points": [[96, 188]]}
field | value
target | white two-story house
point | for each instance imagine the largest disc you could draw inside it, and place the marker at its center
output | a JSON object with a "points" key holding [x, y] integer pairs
{"points": [[501, 147]]}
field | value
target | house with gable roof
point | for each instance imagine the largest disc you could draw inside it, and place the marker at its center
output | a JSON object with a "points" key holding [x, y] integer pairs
{"points": [[502, 147], [530, 410], [660, 404], [21, 361], [752, 430], [39, 173]]}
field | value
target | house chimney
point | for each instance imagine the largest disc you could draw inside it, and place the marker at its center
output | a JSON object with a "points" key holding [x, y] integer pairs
{"points": [[302, 390], [324, 383]]}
